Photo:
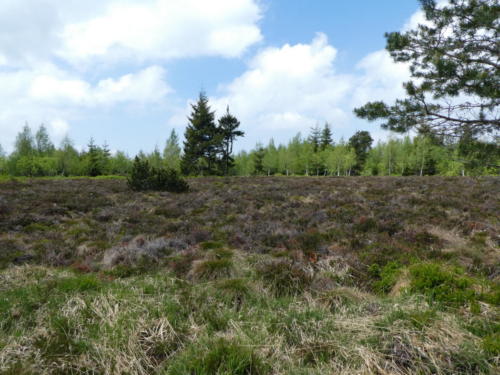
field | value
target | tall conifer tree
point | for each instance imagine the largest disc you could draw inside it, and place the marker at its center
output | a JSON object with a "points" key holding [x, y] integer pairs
{"points": [[200, 145], [326, 137], [228, 129]]}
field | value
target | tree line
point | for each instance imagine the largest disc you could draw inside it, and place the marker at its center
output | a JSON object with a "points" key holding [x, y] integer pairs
{"points": [[422, 155], [208, 150]]}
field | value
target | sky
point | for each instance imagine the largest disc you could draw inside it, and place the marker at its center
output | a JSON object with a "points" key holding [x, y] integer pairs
{"points": [[126, 71]]}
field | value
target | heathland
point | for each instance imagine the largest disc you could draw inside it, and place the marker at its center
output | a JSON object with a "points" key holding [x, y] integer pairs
{"points": [[273, 275]]}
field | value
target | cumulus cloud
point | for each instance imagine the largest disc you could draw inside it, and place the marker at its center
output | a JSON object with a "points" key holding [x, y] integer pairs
{"points": [[291, 88], [48, 94], [145, 86], [110, 30], [288, 87], [59, 128], [50, 49], [165, 29]]}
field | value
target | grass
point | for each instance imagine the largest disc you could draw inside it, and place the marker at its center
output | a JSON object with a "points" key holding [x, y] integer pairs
{"points": [[272, 276]]}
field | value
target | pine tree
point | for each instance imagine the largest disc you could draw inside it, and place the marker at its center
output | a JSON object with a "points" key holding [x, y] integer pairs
{"points": [[453, 59], [172, 152], [258, 160], [201, 140], [94, 159], [315, 137], [326, 137], [44, 146], [228, 130], [361, 142], [105, 153]]}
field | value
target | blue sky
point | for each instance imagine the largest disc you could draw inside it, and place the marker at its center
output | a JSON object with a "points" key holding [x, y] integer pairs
{"points": [[125, 71]]}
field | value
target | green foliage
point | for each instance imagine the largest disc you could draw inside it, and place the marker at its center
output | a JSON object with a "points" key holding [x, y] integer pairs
{"points": [[208, 147], [453, 60], [228, 129], [144, 177], [361, 142], [386, 277], [44, 147], [491, 344], [258, 161], [326, 139], [441, 285], [201, 140], [172, 152]]}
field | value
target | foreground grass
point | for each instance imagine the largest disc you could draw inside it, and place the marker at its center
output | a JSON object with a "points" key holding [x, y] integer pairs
{"points": [[250, 276], [56, 321]]}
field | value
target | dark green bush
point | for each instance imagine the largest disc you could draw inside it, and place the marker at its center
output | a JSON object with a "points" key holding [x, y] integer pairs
{"points": [[144, 177]]}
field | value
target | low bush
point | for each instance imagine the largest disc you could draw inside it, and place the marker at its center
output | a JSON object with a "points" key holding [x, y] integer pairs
{"points": [[144, 177], [386, 277], [441, 285]]}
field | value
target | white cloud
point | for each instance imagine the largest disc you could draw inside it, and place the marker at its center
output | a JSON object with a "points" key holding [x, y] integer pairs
{"points": [[58, 128], [48, 46], [164, 29], [291, 88], [380, 79], [145, 86], [112, 30], [48, 94]]}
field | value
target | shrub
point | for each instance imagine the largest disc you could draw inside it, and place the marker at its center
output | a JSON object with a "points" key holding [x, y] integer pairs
{"points": [[386, 276], [144, 177], [440, 285]]}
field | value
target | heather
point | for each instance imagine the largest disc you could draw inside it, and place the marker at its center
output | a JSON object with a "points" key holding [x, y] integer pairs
{"points": [[261, 275]]}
